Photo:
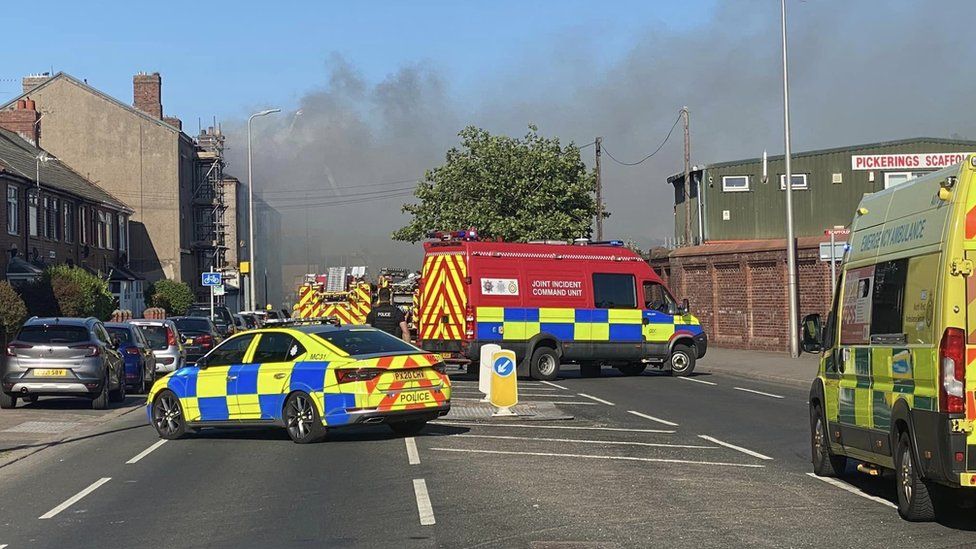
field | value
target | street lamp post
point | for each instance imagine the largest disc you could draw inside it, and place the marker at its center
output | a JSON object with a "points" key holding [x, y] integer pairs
{"points": [[250, 209], [790, 244]]}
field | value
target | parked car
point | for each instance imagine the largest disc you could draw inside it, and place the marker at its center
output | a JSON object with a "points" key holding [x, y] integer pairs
{"points": [[62, 357], [199, 335], [137, 356], [222, 317], [250, 321], [165, 341]]}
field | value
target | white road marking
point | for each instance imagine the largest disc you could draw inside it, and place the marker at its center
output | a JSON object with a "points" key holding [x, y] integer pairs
{"points": [[413, 458], [423, 502], [652, 418], [734, 447], [3, 545], [696, 380], [591, 397], [146, 452], [848, 488], [551, 384], [612, 458], [579, 441], [75, 498], [757, 392], [530, 426]]}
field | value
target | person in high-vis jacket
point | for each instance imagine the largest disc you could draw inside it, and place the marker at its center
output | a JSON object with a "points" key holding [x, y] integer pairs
{"points": [[387, 317]]}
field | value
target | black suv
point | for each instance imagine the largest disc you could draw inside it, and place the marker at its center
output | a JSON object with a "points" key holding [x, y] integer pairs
{"points": [[222, 317]]}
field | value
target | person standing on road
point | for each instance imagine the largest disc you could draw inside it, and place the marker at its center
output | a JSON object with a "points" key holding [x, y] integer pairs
{"points": [[387, 317]]}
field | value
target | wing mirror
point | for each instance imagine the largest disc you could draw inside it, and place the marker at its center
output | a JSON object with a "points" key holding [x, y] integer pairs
{"points": [[684, 307], [202, 363], [812, 334]]}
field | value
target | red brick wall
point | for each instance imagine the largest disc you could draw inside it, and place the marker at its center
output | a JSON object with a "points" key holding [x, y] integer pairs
{"points": [[739, 291], [147, 94], [21, 120]]}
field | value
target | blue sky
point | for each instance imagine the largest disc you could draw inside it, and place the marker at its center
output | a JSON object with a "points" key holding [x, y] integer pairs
{"points": [[224, 58]]}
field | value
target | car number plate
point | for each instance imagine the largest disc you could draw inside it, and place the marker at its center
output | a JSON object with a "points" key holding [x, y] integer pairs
{"points": [[446, 356], [408, 375], [188, 341], [415, 397], [49, 372]]}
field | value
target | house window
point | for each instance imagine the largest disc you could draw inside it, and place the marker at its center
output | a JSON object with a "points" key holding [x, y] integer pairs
{"points": [[109, 231], [897, 178], [69, 222], [84, 224], [735, 183], [13, 210], [32, 212], [799, 181], [123, 234], [100, 229], [52, 229]]}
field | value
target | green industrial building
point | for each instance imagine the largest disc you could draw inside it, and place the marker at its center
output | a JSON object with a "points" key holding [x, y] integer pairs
{"points": [[742, 200]]}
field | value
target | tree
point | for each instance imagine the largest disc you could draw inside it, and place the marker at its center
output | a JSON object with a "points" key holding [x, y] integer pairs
{"points": [[175, 297], [13, 311], [509, 188], [77, 292]]}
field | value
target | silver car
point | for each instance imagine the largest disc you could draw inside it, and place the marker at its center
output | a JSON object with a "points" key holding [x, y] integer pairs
{"points": [[63, 357], [165, 342]]}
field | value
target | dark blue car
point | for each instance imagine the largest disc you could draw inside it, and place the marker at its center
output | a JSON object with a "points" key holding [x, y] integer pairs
{"points": [[140, 363]]}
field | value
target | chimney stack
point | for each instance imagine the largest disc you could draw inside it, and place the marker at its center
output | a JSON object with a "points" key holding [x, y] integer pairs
{"points": [[23, 120], [147, 94], [32, 81]]}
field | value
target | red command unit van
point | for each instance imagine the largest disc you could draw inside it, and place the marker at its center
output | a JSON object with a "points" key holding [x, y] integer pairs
{"points": [[593, 304]]}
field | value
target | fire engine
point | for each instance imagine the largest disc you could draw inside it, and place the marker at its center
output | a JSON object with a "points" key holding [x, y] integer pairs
{"points": [[592, 303], [349, 305]]}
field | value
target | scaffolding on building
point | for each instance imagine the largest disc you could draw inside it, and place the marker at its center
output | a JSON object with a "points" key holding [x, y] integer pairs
{"points": [[209, 203]]}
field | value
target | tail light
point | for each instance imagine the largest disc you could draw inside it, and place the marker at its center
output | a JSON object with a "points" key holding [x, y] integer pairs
{"points": [[952, 371], [12, 348], [170, 337], [205, 340], [93, 350], [131, 351], [359, 374], [469, 322]]}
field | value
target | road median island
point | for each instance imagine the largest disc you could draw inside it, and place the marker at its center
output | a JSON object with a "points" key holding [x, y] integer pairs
{"points": [[529, 411]]}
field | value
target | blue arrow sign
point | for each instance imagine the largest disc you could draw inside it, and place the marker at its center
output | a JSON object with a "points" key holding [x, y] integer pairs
{"points": [[211, 279], [504, 366]]}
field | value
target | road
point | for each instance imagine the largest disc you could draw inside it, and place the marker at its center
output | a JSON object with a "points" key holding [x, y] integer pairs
{"points": [[648, 461]]}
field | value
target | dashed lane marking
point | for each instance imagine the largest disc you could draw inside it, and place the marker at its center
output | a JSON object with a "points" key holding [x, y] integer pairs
{"points": [[413, 458], [551, 384], [734, 447], [530, 426], [591, 397], [75, 498], [696, 380], [610, 458], [848, 488], [145, 452], [652, 418], [424, 507], [584, 441], [757, 392]]}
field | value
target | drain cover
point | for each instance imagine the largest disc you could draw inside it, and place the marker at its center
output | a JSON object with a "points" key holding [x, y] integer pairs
{"points": [[51, 427]]}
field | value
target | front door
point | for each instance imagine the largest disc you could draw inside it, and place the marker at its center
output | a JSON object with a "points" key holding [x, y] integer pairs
{"points": [[262, 384], [659, 311], [216, 384]]}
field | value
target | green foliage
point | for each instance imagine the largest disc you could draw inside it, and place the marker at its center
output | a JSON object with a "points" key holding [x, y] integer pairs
{"points": [[77, 292], [175, 297], [515, 189], [13, 311]]}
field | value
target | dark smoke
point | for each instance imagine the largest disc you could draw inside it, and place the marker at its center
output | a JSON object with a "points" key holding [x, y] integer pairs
{"points": [[860, 72]]}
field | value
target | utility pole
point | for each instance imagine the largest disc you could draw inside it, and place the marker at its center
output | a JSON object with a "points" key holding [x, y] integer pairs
{"points": [[684, 116], [599, 191], [790, 239]]}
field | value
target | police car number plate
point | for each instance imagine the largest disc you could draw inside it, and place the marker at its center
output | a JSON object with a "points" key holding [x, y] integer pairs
{"points": [[59, 372], [415, 397], [446, 356], [408, 375]]}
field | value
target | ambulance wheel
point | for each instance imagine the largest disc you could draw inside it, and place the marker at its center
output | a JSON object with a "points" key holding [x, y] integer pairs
{"points": [[682, 360], [915, 502], [634, 369], [825, 464], [545, 364], [590, 369], [302, 419], [408, 428]]}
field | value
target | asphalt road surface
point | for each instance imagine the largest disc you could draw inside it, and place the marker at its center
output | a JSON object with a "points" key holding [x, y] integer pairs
{"points": [[649, 461]]}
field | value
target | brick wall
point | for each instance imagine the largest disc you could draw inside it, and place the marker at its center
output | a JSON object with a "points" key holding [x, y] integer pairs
{"points": [[22, 119], [147, 94], [739, 290]]}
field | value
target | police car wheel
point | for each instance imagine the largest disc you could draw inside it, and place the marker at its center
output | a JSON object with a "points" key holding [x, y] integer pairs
{"points": [[825, 464], [682, 360], [167, 416], [635, 369], [915, 502], [590, 369], [302, 419], [408, 428], [544, 365]]}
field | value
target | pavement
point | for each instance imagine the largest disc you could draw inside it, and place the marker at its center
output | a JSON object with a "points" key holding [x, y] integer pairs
{"points": [[713, 460], [766, 366]]}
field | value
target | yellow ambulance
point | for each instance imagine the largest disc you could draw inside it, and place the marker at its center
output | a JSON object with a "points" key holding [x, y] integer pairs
{"points": [[895, 386]]}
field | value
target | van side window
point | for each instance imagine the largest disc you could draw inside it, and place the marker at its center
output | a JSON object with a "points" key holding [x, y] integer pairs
{"points": [[656, 298], [888, 298], [614, 291]]}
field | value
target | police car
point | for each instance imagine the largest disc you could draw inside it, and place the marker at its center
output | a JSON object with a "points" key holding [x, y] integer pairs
{"points": [[305, 376]]}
